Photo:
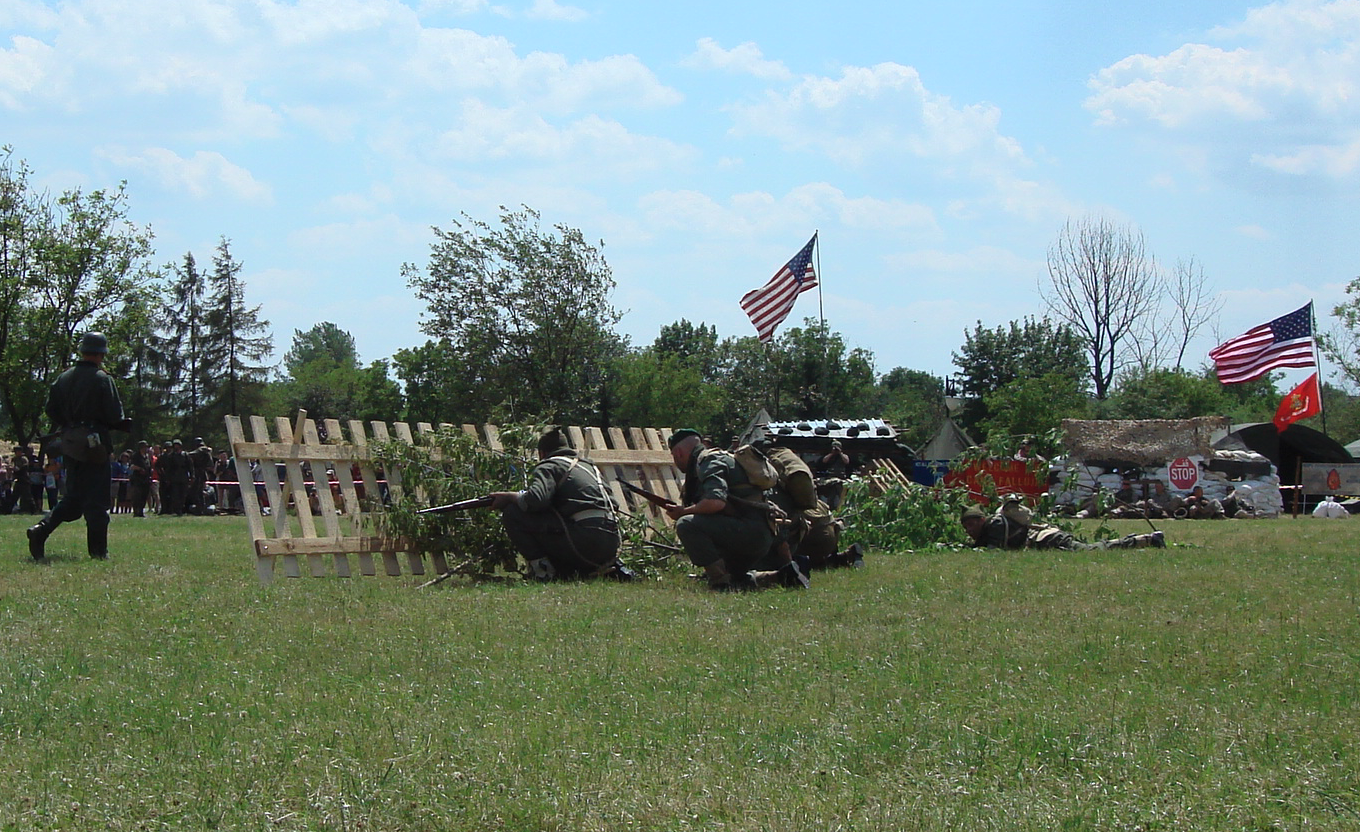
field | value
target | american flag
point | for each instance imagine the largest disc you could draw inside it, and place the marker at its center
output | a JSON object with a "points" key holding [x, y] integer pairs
{"points": [[1286, 341], [769, 305]]}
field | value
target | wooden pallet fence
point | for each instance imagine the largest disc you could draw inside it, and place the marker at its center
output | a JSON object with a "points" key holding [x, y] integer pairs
{"points": [[884, 474], [346, 526]]}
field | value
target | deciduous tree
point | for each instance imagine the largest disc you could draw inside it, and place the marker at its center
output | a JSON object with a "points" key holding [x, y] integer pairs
{"points": [[529, 307], [65, 263], [1102, 282]]}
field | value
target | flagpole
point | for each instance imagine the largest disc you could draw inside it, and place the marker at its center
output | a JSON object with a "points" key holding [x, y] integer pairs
{"points": [[821, 313], [1317, 364]]}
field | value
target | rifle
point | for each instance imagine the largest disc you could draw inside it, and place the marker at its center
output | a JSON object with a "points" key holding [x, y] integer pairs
{"points": [[654, 499], [475, 502]]}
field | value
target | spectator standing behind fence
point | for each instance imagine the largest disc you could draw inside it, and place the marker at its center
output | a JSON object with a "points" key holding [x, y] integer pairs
{"points": [[139, 478], [6, 486], [120, 470], [228, 493], [36, 479], [172, 468], [53, 473]]}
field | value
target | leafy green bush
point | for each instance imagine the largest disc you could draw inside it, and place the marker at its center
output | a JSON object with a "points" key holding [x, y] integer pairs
{"points": [[450, 465], [904, 517]]}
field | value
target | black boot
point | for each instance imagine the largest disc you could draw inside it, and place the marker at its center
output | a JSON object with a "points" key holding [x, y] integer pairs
{"points": [[37, 539]]}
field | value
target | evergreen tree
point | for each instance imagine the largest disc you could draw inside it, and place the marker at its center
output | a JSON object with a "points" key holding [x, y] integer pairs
{"points": [[236, 342], [210, 346]]}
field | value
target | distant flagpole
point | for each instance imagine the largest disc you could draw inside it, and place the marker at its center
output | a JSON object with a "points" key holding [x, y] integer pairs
{"points": [[1317, 363], [821, 313]]}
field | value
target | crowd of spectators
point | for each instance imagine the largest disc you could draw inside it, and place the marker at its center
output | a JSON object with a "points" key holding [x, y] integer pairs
{"points": [[163, 479]]}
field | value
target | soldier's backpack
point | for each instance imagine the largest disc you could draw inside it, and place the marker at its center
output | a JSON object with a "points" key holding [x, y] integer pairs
{"points": [[795, 478], [759, 470], [1015, 511]]}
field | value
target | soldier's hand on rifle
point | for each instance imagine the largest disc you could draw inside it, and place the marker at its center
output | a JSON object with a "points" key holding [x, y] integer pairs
{"points": [[502, 499]]}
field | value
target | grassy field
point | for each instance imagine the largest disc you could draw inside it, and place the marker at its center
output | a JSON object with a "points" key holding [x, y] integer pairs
{"points": [[1210, 686]]}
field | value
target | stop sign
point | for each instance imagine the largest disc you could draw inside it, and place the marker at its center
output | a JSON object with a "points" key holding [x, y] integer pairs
{"points": [[1183, 473]]}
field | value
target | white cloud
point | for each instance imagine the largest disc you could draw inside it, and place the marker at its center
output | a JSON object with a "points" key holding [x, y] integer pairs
{"points": [[1254, 232], [523, 135], [745, 59], [459, 60], [205, 174], [23, 70], [1333, 161], [877, 114], [978, 262], [1284, 83], [756, 213], [552, 10], [462, 7], [345, 240]]}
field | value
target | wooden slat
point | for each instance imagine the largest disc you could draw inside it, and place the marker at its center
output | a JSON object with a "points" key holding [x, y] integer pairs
{"points": [[250, 501], [329, 545], [347, 527], [628, 456]]}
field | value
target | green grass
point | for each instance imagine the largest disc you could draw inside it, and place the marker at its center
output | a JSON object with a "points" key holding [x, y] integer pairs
{"points": [[1213, 685]]}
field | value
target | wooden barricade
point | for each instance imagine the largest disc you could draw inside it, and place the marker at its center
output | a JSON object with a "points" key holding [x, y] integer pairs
{"points": [[884, 474], [337, 470]]}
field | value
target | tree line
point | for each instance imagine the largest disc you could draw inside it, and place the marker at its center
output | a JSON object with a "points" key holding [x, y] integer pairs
{"points": [[521, 327]]}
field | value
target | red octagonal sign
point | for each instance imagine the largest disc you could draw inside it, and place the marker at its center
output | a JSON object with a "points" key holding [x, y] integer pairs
{"points": [[1183, 473]]}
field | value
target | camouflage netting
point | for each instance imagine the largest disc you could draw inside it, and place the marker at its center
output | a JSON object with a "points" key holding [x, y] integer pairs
{"points": [[1146, 442]]}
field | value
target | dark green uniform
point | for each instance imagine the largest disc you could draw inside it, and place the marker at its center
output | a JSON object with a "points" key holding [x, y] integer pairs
{"points": [[740, 535], [84, 397], [1002, 533], [566, 517]]}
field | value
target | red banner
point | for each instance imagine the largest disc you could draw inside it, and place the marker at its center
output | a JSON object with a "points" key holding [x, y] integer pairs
{"points": [[1010, 476]]}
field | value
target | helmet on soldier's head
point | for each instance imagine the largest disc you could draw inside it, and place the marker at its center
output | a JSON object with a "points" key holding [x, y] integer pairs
{"points": [[94, 343]]}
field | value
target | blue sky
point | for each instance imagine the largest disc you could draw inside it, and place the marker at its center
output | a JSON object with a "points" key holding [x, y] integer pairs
{"points": [[937, 148]]}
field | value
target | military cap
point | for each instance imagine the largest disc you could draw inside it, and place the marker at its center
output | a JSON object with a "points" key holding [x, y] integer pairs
{"points": [[551, 441], [142, 443], [681, 435], [94, 342], [973, 512], [176, 442]]}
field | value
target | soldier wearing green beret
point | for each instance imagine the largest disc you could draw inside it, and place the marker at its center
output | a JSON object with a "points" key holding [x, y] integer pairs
{"points": [[724, 523]]}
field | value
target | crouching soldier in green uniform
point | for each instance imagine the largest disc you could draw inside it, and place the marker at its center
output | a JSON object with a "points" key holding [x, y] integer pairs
{"points": [[564, 523], [724, 524], [1009, 528], [813, 533]]}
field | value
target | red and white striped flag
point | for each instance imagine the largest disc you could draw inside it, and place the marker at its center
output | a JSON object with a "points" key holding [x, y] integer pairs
{"points": [[769, 305], [1286, 341]]}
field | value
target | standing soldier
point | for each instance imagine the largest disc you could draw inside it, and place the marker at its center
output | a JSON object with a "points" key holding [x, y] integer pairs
{"points": [[84, 405], [139, 478], [200, 472], [173, 469]]}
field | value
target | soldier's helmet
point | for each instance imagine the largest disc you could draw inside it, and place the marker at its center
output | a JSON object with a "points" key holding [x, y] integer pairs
{"points": [[94, 342]]}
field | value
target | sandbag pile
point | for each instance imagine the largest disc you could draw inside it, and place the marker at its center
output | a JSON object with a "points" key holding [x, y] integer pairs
{"points": [[1076, 481]]}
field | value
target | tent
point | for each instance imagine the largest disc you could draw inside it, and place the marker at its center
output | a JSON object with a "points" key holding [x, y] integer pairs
{"points": [[1297, 444], [949, 441]]}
